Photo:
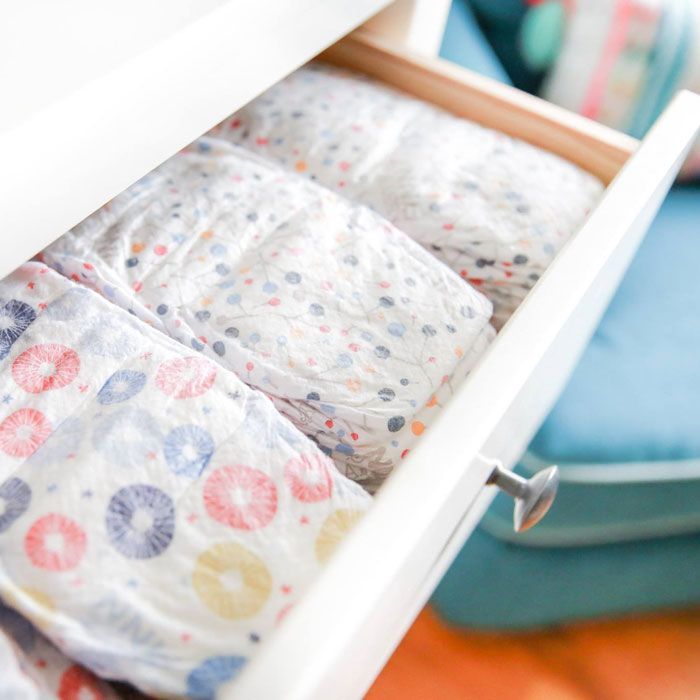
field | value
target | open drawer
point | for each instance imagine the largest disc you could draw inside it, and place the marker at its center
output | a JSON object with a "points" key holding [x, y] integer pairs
{"points": [[338, 637], [335, 641]]}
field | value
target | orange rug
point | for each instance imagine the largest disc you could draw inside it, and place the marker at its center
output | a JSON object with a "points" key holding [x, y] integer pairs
{"points": [[639, 657]]}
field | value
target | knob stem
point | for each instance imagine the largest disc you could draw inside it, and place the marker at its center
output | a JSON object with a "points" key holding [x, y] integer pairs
{"points": [[510, 482], [533, 496]]}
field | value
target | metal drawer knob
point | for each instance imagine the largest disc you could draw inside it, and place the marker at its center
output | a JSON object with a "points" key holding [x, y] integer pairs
{"points": [[533, 496]]}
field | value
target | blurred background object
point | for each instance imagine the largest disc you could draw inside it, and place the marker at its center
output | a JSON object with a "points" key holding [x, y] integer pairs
{"points": [[655, 656]]}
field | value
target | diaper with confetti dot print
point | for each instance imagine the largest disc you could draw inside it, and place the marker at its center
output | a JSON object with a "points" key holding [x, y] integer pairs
{"points": [[158, 518], [356, 333], [493, 208]]}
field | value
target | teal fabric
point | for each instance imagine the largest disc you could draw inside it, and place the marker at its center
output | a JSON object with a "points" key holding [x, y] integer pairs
{"points": [[605, 548], [542, 34], [625, 431], [464, 43], [634, 395], [624, 532], [500, 585], [501, 21], [500, 12]]}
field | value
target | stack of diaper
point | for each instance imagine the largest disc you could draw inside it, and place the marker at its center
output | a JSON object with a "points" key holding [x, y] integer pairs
{"points": [[159, 517], [353, 330], [619, 62], [166, 487], [493, 208]]}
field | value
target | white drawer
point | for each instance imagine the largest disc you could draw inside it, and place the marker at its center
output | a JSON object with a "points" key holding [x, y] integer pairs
{"points": [[95, 96], [334, 643], [68, 156]]}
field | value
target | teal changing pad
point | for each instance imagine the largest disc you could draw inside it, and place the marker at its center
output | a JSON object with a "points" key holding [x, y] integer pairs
{"points": [[624, 532], [498, 585], [625, 432]]}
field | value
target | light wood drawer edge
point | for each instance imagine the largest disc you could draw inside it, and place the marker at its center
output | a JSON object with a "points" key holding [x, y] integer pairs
{"points": [[599, 149]]}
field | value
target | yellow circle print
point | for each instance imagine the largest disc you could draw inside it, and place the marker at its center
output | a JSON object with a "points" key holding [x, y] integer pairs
{"points": [[242, 597], [335, 527]]}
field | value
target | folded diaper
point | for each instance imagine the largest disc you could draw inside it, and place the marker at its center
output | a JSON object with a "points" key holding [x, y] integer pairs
{"points": [[34, 669], [354, 331], [495, 209], [158, 517]]}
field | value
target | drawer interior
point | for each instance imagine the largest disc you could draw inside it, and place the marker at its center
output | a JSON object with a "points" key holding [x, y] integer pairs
{"points": [[370, 592]]}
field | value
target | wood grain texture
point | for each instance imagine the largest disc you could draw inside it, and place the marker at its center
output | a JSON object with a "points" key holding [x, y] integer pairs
{"points": [[596, 148], [654, 656]]}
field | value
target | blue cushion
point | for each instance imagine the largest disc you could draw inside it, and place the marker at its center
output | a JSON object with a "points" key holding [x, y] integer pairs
{"points": [[625, 435], [625, 431], [624, 532], [634, 395], [464, 43], [500, 585]]}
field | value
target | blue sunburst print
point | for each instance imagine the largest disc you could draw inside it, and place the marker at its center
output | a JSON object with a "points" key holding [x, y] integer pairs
{"points": [[123, 385], [140, 521], [188, 449], [15, 318]]}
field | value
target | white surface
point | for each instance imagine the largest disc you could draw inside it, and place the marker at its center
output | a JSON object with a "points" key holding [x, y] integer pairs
{"points": [[334, 643], [94, 95], [416, 24], [77, 41]]}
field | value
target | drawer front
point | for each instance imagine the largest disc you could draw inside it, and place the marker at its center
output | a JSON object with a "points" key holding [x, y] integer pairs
{"points": [[76, 133], [336, 640]]}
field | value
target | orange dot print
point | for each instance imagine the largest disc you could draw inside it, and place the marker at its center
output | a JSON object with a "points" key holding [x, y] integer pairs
{"points": [[417, 427]]}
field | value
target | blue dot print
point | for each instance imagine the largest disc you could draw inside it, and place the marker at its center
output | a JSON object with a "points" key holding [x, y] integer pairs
{"points": [[140, 521]]}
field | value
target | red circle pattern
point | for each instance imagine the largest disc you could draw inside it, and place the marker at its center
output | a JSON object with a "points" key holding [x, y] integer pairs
{"points": [[309, 478], [78, 684], [44, 367], [240, 497], [23, 431], [185, 377], [43, 554]]}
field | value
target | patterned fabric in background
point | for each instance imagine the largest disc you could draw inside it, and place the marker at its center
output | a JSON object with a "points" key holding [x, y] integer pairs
{"points": [[34, 669], [356, 333], [619, 61], [494, 209], [158, 517]]}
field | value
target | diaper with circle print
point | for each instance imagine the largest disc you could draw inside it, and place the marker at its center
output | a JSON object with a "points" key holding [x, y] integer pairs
{"points": [[159, 518]]}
